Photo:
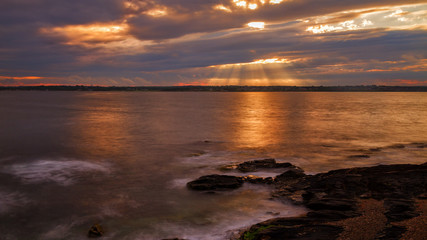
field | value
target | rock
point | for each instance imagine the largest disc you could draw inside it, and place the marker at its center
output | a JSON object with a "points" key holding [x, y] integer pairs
{"points": [[289, 175], [375, 149], [391, 232], [291, 228], [253, 166], [332, 204], [332, 215], [227, 168], [359, 156], [397, 146], [257, 180], [95, 231], [399, 209], [216, 182], [333, 196]]}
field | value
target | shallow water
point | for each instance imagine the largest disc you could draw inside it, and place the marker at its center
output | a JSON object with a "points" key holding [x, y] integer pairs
{"points": [[70, 159]]}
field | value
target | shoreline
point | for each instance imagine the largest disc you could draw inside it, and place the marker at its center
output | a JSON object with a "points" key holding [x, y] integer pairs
{"points": [[378, 202]]}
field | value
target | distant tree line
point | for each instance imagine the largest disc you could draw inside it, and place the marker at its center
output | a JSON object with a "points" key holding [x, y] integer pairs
{"points": [[360, 88]]}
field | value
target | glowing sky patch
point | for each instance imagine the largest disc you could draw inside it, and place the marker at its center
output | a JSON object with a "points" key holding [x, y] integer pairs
{"points": [[256, 25], [223, 8], [276, 1], [253, 6], [157, 12], [401, 17], [21, 78], [258, 61], [89, 33]]}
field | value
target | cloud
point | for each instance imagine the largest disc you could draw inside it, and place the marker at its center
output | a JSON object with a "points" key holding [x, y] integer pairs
{"points": [[184, 18], [166, 42]]}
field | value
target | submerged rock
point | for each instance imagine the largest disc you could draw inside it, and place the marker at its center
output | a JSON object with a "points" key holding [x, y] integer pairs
{"points": [[253, 166], [216, 182], [95, 231]]}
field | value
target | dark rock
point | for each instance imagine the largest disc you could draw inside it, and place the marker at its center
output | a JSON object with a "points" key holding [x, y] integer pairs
{"points": [[227, 168], [291, 228], [332, 215], [332, 204], [399, 209], [289, 175], [391, 233], [257, 180], [375, 149], [95, 231], [333, 196], [397, 146], [215, 182], [252, 166], [359, 156]]}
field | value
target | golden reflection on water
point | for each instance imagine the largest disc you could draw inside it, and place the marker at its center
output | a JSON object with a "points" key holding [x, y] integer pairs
{"points": [[255, 120], [101, 129]]}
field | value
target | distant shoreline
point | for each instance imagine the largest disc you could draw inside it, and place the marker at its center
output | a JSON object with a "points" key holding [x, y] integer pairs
{"points": [[361, 88]]}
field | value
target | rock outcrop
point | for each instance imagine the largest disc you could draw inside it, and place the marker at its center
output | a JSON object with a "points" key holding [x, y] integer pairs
{"points": [[215, 182]]}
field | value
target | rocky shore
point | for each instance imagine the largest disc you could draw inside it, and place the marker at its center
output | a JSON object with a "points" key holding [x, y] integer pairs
{"points": [[380, 202]]}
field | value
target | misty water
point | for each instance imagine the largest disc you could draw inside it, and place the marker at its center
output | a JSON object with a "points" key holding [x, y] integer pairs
{"points": [[122, 159]]}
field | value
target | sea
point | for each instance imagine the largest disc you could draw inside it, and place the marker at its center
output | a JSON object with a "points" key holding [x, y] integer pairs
{"points": [[69, 160]]}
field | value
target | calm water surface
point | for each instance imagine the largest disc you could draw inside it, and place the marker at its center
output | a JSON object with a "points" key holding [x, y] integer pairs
{"points": [[71, 159]]}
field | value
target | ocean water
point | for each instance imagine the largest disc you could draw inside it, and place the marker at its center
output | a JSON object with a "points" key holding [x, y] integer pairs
{"points": [[122, 159]]}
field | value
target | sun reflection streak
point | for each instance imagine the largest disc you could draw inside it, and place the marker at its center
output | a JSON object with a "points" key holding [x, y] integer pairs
{"points": [[256, 127]]}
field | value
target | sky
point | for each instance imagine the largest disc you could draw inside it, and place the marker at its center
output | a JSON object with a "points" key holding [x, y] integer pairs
{"points": [[213, 42]]}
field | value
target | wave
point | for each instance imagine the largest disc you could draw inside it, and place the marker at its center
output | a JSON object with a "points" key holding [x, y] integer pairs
{"points": [[62, 172]]}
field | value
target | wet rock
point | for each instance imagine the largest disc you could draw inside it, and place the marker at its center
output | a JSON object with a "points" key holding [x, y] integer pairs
{"points": [[95, 231], [375, 149], [333, 196], [422, 145], [253, 166], [359, 156], [216, 182], [291, 228], [332, 215], [332, 204], [228, 168], [289, 175], [391, 233], [257, 180], [399, 209]]}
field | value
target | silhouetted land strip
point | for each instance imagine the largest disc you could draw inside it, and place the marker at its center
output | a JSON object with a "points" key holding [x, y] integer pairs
{"points": [[361, 88]]}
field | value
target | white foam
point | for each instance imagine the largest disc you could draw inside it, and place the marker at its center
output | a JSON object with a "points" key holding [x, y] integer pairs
{"points": [[10, 200], [179, 183], [62, 171]]}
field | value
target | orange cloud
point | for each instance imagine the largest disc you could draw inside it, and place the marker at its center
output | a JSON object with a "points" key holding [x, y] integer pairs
{"points": [[21, 78]]}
